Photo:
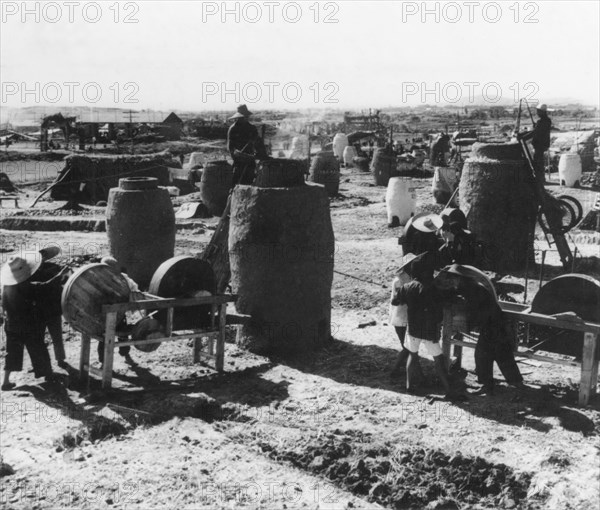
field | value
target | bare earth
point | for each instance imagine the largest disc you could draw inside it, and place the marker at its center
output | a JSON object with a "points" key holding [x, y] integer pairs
{"points": [[329, 432]]}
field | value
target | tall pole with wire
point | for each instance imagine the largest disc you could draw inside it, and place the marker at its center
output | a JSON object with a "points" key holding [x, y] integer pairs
{"points": [[131, 113]]}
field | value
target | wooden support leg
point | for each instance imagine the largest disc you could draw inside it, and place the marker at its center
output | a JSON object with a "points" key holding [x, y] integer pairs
{"points": [[220, 355], [169, 327], [458, 352], [589, 368], [447, 332], [84, 359], [197, 349], [109, 349]]}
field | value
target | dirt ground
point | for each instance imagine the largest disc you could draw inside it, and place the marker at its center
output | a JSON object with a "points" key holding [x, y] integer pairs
{"points": [[331, 431]]}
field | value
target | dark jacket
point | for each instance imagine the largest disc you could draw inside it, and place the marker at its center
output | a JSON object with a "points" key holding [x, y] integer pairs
{"points": [[48, 289], [541, 134], [243, 136], [21, 307], [424, 304]]}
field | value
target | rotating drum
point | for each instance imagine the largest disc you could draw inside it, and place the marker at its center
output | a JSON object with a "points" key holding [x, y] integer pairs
{"points": [[185, 277], [577, 293], [87, 291]]}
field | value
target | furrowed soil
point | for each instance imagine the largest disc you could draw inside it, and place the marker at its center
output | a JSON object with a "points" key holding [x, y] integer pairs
{"points": [[330, 431]]}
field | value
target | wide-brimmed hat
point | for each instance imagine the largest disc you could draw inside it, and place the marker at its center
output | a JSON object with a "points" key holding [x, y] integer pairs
{"points": [[406, 260], [454, 214], [242, 111], [428, 223], [544, 108], [110, 261], [19, 269], [50, 252], [474, 275]]}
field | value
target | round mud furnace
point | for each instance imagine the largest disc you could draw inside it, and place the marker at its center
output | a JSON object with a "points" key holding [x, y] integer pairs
{"points": [[383, 166], [498, 197], [215, 184], [361, 163], [140, 224], [280, 173], [325, 170], [281, 248]]}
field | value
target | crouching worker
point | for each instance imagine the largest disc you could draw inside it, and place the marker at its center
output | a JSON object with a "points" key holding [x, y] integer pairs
{"points": [[496, 339], [134, 289], [399, 320], [22, 300], [424, 308]]}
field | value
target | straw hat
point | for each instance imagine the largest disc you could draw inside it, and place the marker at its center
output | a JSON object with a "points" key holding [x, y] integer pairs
{"points": [[453, 214], [428, 223], [472, 274], [406, 260], [19, 269], [110, 261], [242, 112], [50, 252], [544, 108]]}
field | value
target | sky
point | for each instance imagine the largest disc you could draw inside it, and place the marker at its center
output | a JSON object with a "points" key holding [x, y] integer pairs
{"points": [[193, 55]]}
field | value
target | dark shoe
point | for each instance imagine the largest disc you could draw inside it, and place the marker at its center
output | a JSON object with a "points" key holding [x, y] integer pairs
{"points": [[8, 386], [53, 379]]}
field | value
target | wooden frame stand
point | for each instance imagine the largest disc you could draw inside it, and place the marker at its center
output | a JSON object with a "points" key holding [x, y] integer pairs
{"points": [[215, 333], [518, 313]]}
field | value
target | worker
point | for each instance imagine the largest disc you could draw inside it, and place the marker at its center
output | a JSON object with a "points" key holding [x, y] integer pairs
{"points": [[134, 292], [420, 234], [399, 319], [24, 323], [439, 147], [245, 146], [496, 340], [459, 246], [424, 307], [541, 141], [50, 300]]}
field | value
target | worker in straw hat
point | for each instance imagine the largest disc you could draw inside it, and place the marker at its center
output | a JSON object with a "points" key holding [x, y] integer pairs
{"points": [[399, 318], [496, 338], [424, 307], [22, 301], [50, 298], [245, 146]]}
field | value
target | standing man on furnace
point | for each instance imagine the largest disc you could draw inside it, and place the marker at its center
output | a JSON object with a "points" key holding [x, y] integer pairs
{"points": [[245, 146], [541, 141]]}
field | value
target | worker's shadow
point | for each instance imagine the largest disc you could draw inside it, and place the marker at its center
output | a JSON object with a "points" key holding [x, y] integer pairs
{"points": [[234, 396], [370, 366], [348, 363], [94, 424], [242, 396], [534, 408]]}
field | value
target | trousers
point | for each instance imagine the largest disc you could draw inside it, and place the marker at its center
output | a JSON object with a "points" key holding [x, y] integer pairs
{"points": [[31, 338], [491, 348]]}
